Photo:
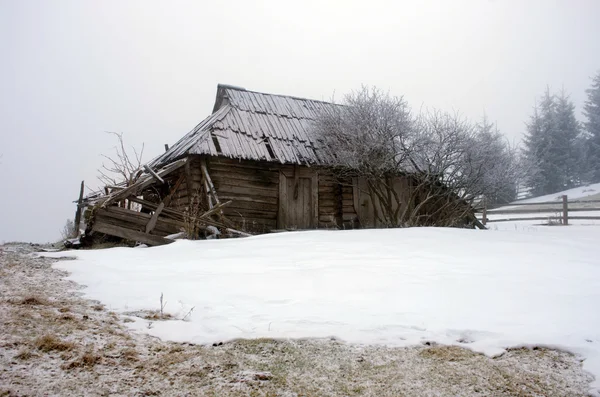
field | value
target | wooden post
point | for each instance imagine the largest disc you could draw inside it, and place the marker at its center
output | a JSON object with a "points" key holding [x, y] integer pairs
{"points": [[565, 214], [77, 220], [484, 217]]}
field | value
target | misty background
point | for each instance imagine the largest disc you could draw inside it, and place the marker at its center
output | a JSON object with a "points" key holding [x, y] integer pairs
{"points": [[72, 70]]}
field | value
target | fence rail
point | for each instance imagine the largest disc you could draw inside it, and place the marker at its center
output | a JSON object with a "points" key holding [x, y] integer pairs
{"points": [[563, 209]]}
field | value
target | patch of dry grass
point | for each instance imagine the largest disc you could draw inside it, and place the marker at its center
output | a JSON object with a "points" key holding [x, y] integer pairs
{"points": [[86, 360], [33, 301], [48, 343], [447, 353]]}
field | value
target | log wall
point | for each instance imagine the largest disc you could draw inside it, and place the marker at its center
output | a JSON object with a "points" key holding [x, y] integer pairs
{"points": [[253, 188]]}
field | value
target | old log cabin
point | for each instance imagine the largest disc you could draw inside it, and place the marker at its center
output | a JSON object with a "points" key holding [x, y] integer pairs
{"points": [[253, 166]]}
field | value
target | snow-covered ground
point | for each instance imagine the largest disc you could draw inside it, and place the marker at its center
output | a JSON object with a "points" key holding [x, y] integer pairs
{"points": [[485, 290], [576, 193]]}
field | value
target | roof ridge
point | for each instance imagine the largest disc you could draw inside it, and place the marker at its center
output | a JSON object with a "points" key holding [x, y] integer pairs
{"points": [[236, 88]]}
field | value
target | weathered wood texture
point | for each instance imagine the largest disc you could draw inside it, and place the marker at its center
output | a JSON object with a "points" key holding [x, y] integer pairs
{"points": [[267, 196], [137, 221], [253, 188], [129, 234], [336, 202]]}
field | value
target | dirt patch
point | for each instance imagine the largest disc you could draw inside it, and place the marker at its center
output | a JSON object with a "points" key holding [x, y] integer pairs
{"points": [[61, 344]]}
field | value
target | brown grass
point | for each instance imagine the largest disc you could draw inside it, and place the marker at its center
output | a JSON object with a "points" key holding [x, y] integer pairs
{"points": [[86, 360], [130, 354], [49, 343], [447, 353], [33, 301], [25, 354]]}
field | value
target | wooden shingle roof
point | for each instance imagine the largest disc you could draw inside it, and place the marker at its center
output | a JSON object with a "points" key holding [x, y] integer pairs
{"points": [[256, 126]]}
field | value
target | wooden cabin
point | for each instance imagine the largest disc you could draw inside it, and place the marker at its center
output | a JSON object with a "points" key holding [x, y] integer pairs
{"points": [[259, 153]]}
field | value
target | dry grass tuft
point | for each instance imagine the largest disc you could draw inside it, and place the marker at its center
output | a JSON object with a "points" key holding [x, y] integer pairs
{"points": [[98, 308], [156, 315], [33, 301], [25, 354], [49, 343], [130, 354], [64, 310], [86, 360], [448, 353], [67, 317]]}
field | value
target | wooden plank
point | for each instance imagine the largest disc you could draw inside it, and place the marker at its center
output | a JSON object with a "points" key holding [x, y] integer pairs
{"points": [[255, 199], [355, 195], [565, 210], [129, 234], [152, 222], [140, 185], [154, 174], [315, 199], [251, 214], [545, 218], [208, 181], [256, 184], [540, 211], [247, 175], [281, 213], [246, 191], [252, 205], [189, 181]]}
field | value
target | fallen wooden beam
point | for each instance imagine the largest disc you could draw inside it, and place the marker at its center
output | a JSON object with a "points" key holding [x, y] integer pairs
{"points": [[152, 223], [129, 234], [154, 174]]}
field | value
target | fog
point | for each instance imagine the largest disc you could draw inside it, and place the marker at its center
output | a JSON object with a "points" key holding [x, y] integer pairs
{"points": [[72, 70]]}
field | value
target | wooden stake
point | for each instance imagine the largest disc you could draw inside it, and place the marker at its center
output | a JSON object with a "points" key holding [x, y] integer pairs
{"points": [[77, 220], [484, 217], [565, 216]]}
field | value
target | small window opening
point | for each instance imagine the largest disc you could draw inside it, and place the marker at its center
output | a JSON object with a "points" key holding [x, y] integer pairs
{"points": [[217, 144]]}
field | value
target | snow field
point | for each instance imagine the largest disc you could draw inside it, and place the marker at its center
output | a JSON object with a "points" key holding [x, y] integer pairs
{"points": [[484, 290]]}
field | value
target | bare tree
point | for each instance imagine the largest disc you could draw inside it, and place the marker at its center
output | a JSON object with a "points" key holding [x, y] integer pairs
{"points": [[122, 166], [442, 157]]}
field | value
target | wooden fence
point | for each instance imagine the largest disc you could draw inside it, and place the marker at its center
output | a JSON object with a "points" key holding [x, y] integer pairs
{"points": [[560, 210]]}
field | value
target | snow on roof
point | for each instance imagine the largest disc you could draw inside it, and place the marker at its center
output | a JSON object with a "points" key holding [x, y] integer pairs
{"points": [[255, 126]]}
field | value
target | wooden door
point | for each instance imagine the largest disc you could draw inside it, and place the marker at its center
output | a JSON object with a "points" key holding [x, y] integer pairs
{"points": [[298, 200]]}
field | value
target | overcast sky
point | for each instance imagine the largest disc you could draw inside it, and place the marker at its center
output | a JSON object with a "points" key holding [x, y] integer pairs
{"points": [[71, 70]]}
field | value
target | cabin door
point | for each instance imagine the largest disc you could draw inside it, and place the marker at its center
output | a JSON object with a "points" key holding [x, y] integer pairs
{"points": [[298, 199]]}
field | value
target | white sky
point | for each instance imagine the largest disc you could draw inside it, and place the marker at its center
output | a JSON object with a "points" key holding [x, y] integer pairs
{"points": [[70, 70]]}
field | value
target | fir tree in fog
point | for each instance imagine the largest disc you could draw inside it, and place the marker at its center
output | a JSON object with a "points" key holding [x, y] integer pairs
{"points": [[550, 147], [591, 110]]}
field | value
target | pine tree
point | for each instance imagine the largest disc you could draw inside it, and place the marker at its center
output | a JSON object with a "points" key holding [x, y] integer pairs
{"points": [[564, 148], [591, 110], [551, 145], [500, 167], [534, 153]]}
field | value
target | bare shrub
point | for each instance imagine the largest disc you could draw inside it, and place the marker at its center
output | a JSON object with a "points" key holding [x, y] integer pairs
{"points": [[191, 217], [442, 157], [69, 230]]}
